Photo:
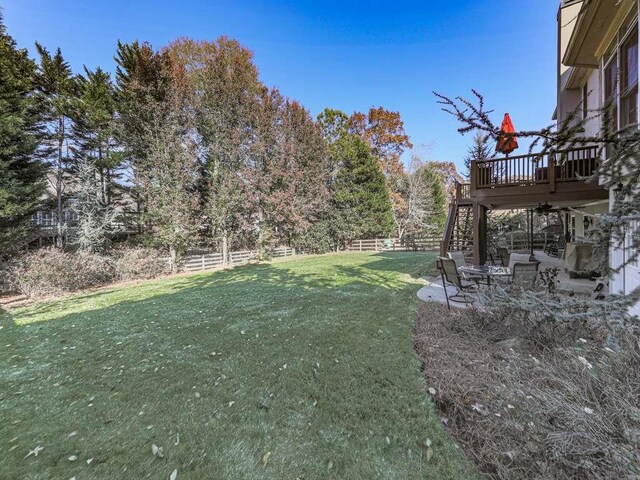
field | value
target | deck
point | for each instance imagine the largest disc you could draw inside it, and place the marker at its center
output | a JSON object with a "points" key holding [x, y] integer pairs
{"points": [[565, 178]]}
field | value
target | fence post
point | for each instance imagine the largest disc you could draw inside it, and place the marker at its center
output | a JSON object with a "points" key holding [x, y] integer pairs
{"points": [[376, 244], [360, 244]]}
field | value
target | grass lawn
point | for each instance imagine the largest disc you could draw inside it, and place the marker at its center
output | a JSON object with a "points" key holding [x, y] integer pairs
{"points": [[294, 369]]}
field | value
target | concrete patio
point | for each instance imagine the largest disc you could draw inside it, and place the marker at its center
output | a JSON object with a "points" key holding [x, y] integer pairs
{"points": [[433, 291]]}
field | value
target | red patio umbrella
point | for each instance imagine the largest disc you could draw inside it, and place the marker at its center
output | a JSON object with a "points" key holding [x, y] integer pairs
{"points": [[507, 142]]}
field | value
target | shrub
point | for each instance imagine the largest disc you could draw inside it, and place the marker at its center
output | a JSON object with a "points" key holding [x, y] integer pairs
{"points": [[317, 239], [51, 271], [136, 263]]}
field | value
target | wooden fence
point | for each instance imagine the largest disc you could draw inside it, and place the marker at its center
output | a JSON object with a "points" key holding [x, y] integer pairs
{"points": [[395, 244], [207, 261], [521, 241]]}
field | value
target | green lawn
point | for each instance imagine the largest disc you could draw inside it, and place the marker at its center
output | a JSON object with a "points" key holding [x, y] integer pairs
{"points": [[313, 376]]}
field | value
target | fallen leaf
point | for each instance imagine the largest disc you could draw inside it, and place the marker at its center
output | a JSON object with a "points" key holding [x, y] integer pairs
{"points": [[35, 451], [174, 475], [265, 459], [89, 460], [432, 391], [481, 409], [73, 458], [429, 454]]}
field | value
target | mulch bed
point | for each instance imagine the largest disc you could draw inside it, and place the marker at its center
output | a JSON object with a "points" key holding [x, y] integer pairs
{"points": [[521, 412]]}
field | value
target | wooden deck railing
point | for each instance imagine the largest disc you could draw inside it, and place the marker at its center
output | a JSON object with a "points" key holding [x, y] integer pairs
{"points": [[463, 191], [562, 166]]}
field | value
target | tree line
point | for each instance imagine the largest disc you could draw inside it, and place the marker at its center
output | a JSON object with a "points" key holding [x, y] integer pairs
{"points": [[187, 143]]}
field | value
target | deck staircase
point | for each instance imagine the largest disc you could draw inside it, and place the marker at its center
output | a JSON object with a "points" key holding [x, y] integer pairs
{"points": [[458, 232]]}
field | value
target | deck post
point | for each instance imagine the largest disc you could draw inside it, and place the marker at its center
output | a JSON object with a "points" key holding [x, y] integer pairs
{"points": [[551, 167], [479, 233]]}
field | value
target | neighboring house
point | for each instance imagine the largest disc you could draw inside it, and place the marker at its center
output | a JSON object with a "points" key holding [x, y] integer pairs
{"points": [[46, 223], [597, 65]]}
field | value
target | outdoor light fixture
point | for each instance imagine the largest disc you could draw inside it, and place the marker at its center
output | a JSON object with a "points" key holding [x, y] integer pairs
{"points": [[543, 209]]}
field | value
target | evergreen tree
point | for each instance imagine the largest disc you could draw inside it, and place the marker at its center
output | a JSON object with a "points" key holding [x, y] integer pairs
{"points": [[436, 211], [22, 178], [361, 203], [94, 128], [479, 150], [97, 159], [58, 90], [95, 214]]}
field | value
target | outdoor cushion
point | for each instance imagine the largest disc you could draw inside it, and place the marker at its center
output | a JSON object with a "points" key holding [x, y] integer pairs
{"points": [[518, 258]]}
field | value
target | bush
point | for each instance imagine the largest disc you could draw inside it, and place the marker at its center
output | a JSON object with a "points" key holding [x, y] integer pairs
{"points": [[315, 240], [51, 271], [138, 263]]}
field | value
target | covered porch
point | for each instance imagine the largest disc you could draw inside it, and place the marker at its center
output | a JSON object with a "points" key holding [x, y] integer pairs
{"points": [[433, 290]]}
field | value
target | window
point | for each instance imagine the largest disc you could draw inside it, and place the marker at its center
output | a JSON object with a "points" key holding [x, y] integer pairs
{"points": [[629, 80], [620, 77], [585, 101], [611, 90]]}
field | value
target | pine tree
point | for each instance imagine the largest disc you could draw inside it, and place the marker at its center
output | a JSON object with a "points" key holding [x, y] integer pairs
{"points": [[58, 90], [361, 204], [22, 178], [478, 151], [94, 128], [97, 158], [436, 211]]}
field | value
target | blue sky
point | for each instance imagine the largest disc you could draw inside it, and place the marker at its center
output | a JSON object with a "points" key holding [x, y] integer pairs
{"points": [[348, 55]]}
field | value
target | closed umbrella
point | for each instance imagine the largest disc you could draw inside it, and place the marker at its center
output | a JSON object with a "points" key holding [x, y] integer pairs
{"points": [[507, 142]]}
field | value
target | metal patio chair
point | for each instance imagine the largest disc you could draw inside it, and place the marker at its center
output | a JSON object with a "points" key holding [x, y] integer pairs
{"points": [[524, 275], [450, 276]]}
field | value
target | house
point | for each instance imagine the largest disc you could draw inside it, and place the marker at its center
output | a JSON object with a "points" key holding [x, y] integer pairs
{"points": [[598, 58], [47, 228], [598, 63]]}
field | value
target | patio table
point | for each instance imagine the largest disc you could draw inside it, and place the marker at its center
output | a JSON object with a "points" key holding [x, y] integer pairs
{"points": [[484, 271]]}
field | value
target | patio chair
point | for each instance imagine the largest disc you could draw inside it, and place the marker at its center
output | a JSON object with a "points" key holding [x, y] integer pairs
{"points": [[518, 258], [503, 256], [461, 261], [450, 276], [524, 275]]}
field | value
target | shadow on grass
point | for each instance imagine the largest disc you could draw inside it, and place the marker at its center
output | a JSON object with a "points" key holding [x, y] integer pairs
{"points": [[313, 362], [244, 281]]}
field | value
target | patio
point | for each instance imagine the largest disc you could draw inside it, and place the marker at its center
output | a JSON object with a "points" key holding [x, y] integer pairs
{"points": [[433, 291]]}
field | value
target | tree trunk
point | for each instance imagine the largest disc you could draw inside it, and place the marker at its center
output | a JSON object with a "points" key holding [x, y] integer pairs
{"points": [[225, 249], [173, 255], [59, 212]]}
